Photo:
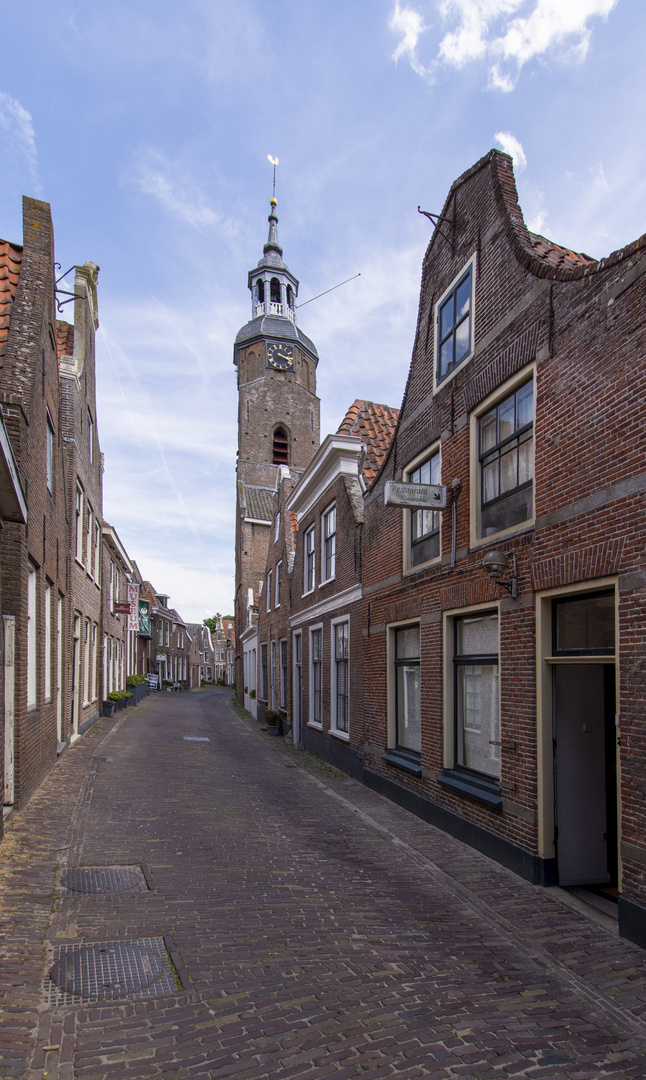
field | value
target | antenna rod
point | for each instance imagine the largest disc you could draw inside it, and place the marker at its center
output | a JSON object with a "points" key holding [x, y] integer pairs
{"points": [[274, 162], [329, 290]]}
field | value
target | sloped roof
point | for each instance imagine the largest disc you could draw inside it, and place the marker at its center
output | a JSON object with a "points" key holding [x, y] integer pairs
{"points": [[278, 327], [375, 425], [556, 255], [259, 503], [10, 260], [64, 339]]}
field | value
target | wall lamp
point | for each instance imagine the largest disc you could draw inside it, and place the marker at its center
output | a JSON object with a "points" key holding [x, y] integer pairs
{"points": [[496, 563]]}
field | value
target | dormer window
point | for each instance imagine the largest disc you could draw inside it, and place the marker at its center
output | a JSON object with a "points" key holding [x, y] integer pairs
{"points": [[281, 447]]}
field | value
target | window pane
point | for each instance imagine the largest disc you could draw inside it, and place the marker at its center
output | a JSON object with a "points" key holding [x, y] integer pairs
{"points": [[488, 431], [586, 624], [462, 341], [446, 356], [341, 641], [478, 635], [511, 511], [490, 480], [317, 644], [525, 459], [478, 724], [463, 298], [506, 418], [508, 470], [407, 643], [424, 550], [297, 649], [408, 707], [525, 405], [446, 317]]}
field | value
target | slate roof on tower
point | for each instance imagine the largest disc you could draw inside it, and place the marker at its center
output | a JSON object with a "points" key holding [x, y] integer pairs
{"points": [[275, 326], [375, 425]]}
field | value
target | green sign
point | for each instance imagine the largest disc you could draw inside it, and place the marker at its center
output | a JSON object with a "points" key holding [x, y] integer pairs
{"points": [[144, 617]]}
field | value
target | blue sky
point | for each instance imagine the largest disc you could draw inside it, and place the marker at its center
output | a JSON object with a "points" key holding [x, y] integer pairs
{"points": [[147, 124]]}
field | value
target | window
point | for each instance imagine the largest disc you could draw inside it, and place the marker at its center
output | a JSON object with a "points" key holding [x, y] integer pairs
{"points": [[281, 447], [88, 540], [408, 731], [316, 665], [279, 577], [50, 454], [48, 641], [329, 544], [95, 635], [584, 625], [277, 527], [283, 674], [31, 637], [90, 437], [263, 672], [310, 560], [79, 523], [270, 575], [454, 325], [341, 687], [167, 634], [272, 676], [477, 721], [86, 663], [425, 524], [506, 461], [97, 550]]}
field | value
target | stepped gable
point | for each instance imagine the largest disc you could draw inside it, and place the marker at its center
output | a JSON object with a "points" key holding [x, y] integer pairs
{"points": [[64, 339], [375, 425], [10, 261]]}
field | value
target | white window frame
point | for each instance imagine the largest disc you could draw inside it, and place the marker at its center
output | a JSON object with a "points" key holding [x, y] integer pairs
{"points": [[334, 726], [270, 575], [32, 638], [97, 551], [391, 657], [420, 459], [449, 619], [90, 437], [89, 535], [297, 681], [318, 724], [50, 454], [279, 579], [79, 525], [440, 384], [277, 527], [272, 675], [309, 560], [87, 633], [48, 641], [95, 637], [325, 540], [264, 671], [504, 390], [283, 671]]}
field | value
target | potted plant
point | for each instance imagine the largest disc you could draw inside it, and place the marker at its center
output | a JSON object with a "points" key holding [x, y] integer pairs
{"points": [[271, 720]]}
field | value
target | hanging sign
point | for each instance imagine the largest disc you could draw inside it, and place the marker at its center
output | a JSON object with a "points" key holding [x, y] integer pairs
{"points": [[415, 496], [120, 607], [133, 603], [143, 624]]}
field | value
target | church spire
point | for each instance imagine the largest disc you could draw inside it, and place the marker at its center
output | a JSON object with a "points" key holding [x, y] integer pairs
{"points": [[272, 240], [273, 288]]}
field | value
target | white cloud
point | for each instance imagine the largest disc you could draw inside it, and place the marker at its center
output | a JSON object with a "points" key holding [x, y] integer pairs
{"points": [[510, 145], [500, 32], [17, 130], [171, 183]]}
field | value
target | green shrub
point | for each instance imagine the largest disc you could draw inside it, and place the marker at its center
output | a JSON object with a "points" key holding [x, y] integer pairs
{"points": [[135, 680], [271, 717], [252, 694]]}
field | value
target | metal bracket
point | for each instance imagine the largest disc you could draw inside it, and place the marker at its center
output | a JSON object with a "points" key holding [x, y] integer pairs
{"points": [[435, 220]]}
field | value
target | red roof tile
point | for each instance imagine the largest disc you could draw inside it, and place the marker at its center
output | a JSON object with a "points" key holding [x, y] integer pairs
{"points": [[375, 425], [64, 339], [10, 260], [556, 255]]}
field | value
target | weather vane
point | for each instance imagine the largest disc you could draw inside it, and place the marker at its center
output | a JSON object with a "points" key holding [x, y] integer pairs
{"points": [[274, 162]]}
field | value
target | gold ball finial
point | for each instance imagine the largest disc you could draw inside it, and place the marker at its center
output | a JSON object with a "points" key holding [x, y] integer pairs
{"points": [[273, 201]]}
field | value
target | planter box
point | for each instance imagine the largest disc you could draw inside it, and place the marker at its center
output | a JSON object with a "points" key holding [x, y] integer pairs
{"points": [[109, 708]]}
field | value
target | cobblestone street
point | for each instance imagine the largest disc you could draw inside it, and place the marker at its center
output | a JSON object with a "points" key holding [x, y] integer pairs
{"points": [[314, 928]]}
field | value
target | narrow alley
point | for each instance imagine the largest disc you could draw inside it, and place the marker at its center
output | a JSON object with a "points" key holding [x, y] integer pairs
{"points": [[186, 897]]}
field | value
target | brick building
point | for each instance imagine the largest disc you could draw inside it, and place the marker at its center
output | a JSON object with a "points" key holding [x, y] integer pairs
{"points": [[84, 497], [272, 639], [325, 616], [504, 635], [278, 417], [34, 564], [118, 643], [170, 644]]}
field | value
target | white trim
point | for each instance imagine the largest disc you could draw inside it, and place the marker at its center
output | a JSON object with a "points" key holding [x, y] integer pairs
{"points": [[391, 679], [407, 567], [337, 455], [257, 521], [334, 730], [324, 513], [448, 622], [437, 387], [339, 600]]}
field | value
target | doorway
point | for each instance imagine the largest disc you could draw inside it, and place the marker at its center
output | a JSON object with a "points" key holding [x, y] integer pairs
{"points": [[585, 740], [76, 677]]}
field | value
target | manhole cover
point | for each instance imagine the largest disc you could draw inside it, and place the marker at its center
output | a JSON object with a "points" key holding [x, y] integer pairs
{"points": [[104, 879], [107, 971]]}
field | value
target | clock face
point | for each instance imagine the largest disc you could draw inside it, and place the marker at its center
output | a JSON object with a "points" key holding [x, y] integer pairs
{"points": [[280, 356]]}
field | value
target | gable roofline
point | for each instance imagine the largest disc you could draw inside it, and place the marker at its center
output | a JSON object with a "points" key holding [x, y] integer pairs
{"points": [[338, 455]]}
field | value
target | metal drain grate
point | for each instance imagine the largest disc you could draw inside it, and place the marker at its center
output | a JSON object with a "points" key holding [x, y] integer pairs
{"points": [[109, 971], [104, 879], [196, 738]]}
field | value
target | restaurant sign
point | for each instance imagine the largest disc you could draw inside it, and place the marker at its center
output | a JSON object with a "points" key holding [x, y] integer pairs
{"points": [[415, 496]]}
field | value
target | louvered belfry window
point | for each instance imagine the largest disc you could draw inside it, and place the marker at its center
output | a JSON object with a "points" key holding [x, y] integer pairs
{"points": [[281, 447]]}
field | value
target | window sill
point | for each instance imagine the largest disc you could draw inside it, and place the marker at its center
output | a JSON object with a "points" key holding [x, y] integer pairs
{"points": [[312, 724], [474, 787], [308, 593], [409, 762], [478, 542], [78, 562], [327, 581], [344, 736], [408, 570]]}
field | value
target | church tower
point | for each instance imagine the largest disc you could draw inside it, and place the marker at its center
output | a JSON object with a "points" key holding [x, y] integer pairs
{"points": [[278, 415]]}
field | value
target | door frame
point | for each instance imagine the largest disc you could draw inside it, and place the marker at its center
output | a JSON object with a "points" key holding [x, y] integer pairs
{"points": [[544, 708]]}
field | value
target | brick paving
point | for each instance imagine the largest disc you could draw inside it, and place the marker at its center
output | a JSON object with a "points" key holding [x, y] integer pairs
{"points": [[316, 930]]}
